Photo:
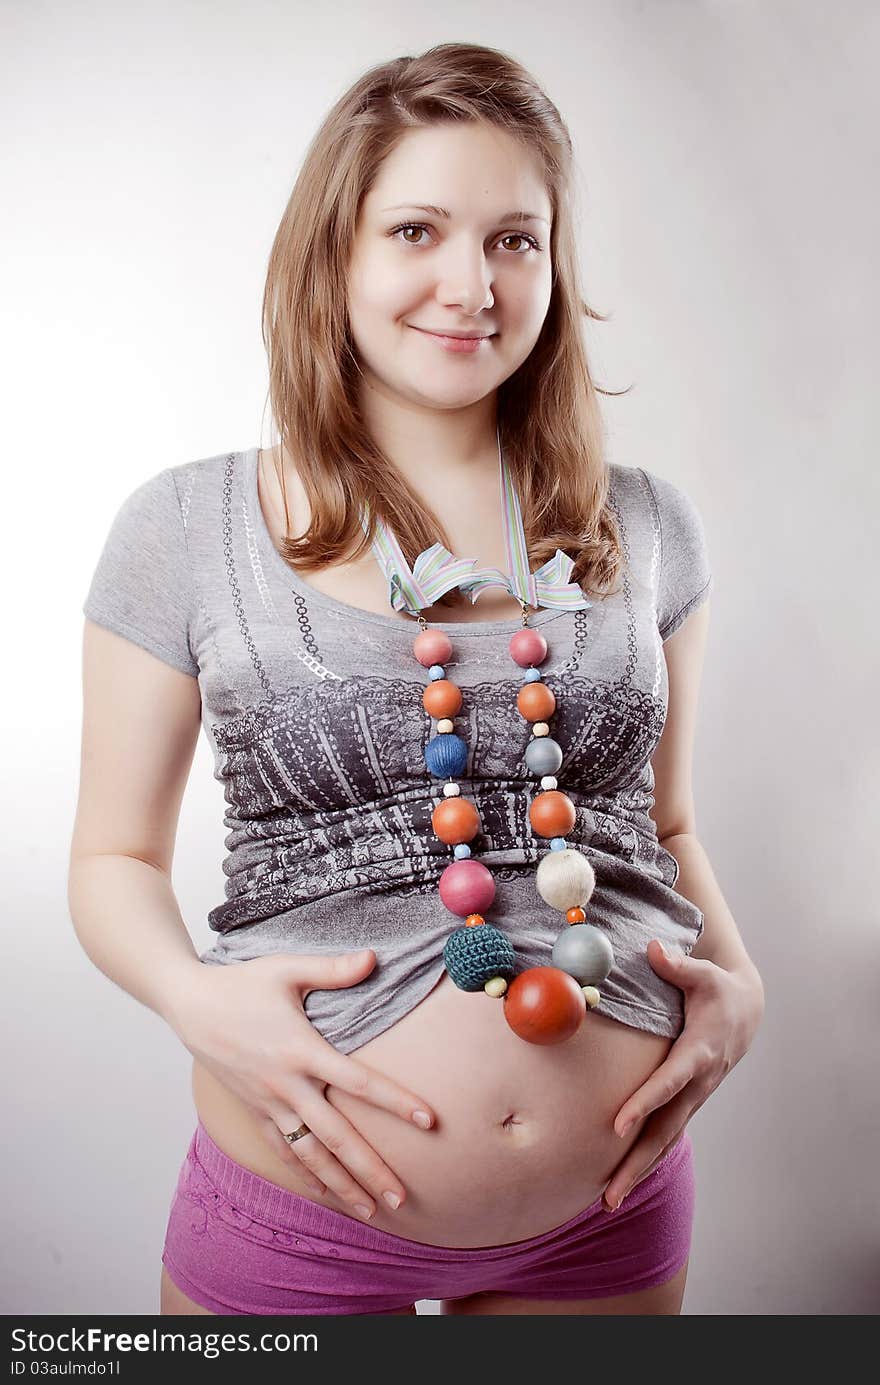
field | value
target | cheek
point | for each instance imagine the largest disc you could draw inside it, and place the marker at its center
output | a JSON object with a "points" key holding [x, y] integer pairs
{"points": [[528, 294]]}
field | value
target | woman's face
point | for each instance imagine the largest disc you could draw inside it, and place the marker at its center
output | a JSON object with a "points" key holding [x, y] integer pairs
{"points": [[476, 270]]}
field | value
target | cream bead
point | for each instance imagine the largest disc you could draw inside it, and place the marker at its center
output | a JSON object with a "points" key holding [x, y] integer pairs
{"points": [[549, 781], [496, 987], [565, 879], [540, 728], [444, 725], [451, 790], [591, 996]]}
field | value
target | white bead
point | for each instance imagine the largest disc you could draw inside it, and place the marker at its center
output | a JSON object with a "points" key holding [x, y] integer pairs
{"points": [[591, 996], [565, 879], [540, 728], [445, 725], [496, 987], [548, 782], [451, 790]]}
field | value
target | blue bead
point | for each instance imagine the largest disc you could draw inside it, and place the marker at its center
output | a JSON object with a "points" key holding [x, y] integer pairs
{"points": [[446, 755], [461, 851], [437, 671], [558, 844], [532, 675]]}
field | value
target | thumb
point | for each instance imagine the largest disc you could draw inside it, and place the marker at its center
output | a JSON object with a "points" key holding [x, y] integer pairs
{"points": [[331, 972], [666, 958]]}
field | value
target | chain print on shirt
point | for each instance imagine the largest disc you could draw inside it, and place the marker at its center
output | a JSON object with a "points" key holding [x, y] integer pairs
{"points": [[184, 501], [232, 576], [654, 582], [631, 640]]}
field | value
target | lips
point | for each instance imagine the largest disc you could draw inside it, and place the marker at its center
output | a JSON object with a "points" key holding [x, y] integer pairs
{"points": [[454, 336], [460, 346]]}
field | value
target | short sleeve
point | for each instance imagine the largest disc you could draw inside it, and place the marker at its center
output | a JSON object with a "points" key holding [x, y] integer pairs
{"points": [[142, 586], [685, 579]]}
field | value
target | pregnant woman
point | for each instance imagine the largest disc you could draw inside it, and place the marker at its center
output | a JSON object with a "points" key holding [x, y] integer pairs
{"points": [[473, 973]]}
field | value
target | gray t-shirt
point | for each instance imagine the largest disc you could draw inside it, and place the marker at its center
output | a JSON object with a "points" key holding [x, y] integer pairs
{"points": [[313, 711]]}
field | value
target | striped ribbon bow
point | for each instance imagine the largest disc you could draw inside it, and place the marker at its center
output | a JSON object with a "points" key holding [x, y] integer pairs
{"points": [[436, 570]]}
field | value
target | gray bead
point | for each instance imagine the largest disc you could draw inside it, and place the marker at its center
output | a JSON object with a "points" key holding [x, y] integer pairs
{"points": [[543, 755], [584, 952]]}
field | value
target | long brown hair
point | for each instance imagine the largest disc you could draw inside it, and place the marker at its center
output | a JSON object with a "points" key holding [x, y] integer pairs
{"points": [[548, 411]]}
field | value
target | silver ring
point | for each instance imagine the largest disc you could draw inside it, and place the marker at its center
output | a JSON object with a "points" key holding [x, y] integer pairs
{"points": [[297, 1134]]}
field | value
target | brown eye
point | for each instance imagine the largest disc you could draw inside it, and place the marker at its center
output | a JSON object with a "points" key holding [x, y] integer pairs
{"points": [[410, 226], [524, 240]]}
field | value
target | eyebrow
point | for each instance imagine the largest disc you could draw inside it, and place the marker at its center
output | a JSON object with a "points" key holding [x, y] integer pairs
{"points": [[441, 211]]}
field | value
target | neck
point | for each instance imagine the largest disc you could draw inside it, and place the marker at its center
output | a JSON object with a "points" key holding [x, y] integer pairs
{"points": [[436, 451]]}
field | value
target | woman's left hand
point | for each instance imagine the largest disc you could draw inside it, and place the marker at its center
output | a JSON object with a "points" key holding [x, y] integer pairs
{"points": [[722, 1012]]}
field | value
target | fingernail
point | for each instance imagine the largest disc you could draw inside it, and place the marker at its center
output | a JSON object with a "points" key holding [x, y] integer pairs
{"points": [[362, 1210], [392, 1199], [423, 1119], [627, 1127]]}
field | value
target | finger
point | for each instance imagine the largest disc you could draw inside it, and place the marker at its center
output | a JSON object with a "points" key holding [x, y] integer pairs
{"points": [[666, 1082], [679, 967], [275, 1135], [338, 1154], [641, 1161], [360, 1080]]}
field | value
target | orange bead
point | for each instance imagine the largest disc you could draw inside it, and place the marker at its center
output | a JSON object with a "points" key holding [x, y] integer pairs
{"points": [[575, 915], [552, 814], [442, 698], [474, 920], [544, 1005], [535, 701], [455, 820]]}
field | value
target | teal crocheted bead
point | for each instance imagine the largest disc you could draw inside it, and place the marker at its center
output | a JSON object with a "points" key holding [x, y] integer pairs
{"points": [[472, 956]]}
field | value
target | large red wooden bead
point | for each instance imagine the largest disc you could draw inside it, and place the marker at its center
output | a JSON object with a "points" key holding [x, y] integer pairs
{"points": [[528, 648], [442, 698], [544, 1005], [535, 701], [552, 814], [455, 820], [432, 647], [467, 887]]}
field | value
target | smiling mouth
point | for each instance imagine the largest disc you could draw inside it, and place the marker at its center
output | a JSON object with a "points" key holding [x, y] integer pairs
{"points": [[454, 336]]}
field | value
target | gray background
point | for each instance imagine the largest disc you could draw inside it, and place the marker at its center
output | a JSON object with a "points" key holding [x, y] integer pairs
{"points": [[730, 225]]}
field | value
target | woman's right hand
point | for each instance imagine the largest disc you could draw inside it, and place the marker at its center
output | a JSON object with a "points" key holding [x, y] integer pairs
{"points": [[246, 1023]]}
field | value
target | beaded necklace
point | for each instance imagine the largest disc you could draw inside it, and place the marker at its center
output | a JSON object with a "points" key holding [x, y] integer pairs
{"points": [[543, 1005]]}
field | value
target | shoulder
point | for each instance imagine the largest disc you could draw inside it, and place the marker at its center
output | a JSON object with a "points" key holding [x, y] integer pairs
{"points": [[204, 473], [658, 503], [675, 507]]}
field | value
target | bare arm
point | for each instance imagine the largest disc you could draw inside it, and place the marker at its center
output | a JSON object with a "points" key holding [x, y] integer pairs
{"points": [[126, 917], [673, 810], [141, 722]]}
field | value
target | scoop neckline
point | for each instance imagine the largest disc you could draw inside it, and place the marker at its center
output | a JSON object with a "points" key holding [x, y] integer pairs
{"points": [[293, 579]]}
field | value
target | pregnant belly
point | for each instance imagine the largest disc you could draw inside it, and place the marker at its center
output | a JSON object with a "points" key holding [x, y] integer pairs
{"points": [[523, 1135]]}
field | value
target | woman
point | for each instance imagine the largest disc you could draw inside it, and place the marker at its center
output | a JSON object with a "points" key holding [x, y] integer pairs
{"points": [[434, 204]]}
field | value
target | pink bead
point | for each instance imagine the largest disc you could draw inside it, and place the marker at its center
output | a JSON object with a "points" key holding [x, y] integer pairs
{"points": [[528, 648], [432, 647], [467, 887]]}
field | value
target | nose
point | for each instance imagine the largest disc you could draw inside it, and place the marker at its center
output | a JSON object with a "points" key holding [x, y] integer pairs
{"points": [[467, 284]]}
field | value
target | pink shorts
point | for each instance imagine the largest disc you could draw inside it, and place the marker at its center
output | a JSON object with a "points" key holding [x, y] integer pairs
{"points": [[236, 1243]]}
